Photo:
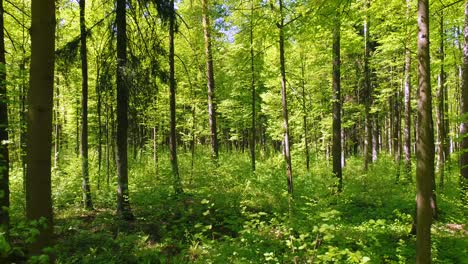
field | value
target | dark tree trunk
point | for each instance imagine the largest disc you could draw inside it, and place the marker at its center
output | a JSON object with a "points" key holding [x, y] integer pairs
{"points": [[287, 153], [172, 101], [39, 134], [99, 119], [252, 87], [425, 142], [84, 111], [210, 81], [441, 132], [123, 203], [463, 113], [336, 149], [4, 155]]}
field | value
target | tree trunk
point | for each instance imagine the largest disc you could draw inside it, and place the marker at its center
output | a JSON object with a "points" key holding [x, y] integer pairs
{"points": [[397, 133], [304, 115], [123, 203], [57, 127], [367, 97], [210, 81], [172, 102], [441, 132], [40, 103], [336, 149], [425, 142], [287, 154], [88, 204], [463, 113], [407, 128], [4, 155], [252, 87]]}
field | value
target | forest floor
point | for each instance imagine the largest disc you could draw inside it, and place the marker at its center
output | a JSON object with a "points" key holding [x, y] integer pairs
{"points": [[229, 215]]}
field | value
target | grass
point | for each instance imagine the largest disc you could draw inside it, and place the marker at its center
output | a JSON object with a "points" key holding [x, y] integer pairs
{"points": [[230, 215]]}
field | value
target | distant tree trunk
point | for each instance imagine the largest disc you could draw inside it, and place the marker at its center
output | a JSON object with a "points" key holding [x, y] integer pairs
{"points": [[172, 101], [367, 97], [84, 111], [441, 132], [397, 133], [155, 151], [40, 103], [57, 127], [252, 87], [425, 142], [210, 81], [336, 149], [287, 154], [123, 203], [4, 155], [304, 115], [407, 128], [99, 119], [463, 113]]}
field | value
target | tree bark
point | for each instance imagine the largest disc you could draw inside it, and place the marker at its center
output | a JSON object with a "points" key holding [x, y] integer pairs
{"points": [[304, 115], [252, 87], [407, 128], [4, 155], [39, 133], [367, 97], [210, 81], [425, 141], [88, 204], [123, 203], [441, 135], [172, 101], [336, 148], [463, 113], [287, 153]]}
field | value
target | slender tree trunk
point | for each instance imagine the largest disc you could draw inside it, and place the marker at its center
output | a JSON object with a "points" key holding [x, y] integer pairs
{"points": [[425, 142], [397, 133], [210, 81], [407, 128], [367, 97], [155, 151], [172, 101], [252, 87], [123, 203], [441, 107], [88, 204], [99, 117], [57, 127], [286, 150], [336, 149], [463, 113], [40, 103], [304, 115], [4, 155]]}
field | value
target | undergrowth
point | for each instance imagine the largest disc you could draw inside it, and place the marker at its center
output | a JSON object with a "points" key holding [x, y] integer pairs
{"points": [[228, 214]]}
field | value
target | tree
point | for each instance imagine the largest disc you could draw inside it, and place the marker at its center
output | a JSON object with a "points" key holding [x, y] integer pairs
{"points": [[4, 155], [210, 80], [441, 129], [425, 141], [84, 110], [172, 103], [39, 131], [407, 101], [367, 95], [464, 112], [336, 149], [284, 102], [252, 86], [123, 203]]}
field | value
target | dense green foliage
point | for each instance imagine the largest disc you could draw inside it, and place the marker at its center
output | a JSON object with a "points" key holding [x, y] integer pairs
{"points": [[228, 213]]}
